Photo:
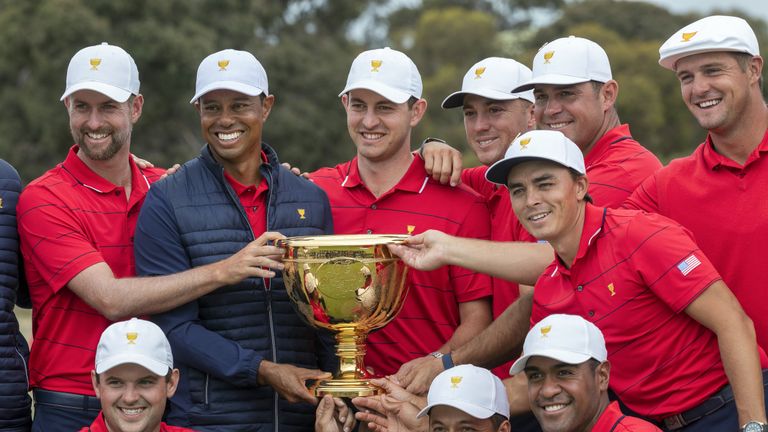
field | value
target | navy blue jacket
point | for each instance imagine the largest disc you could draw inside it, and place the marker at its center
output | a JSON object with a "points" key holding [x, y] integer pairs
{"points": [[194, 218], [14, 353]]}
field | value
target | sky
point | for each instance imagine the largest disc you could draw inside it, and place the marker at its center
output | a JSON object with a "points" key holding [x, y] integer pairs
{"points": [[756, 8]]}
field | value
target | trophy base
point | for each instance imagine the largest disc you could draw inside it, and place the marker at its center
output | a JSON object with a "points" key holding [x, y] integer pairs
{"points": [[346, 388]]}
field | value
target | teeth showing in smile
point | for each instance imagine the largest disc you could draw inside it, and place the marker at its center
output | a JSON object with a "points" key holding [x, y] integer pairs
{"points": [[554, 407], [709, 103], [132, 411], [558, 125], [538, 217], [228, 136], [372, 136], [485, 141], [97, 136]]}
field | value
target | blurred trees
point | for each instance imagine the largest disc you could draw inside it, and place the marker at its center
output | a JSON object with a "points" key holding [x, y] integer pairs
{"points": [[306, 47]]}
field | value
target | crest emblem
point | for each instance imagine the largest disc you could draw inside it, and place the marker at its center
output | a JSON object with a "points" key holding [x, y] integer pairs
{"points": [[545, 330], [479, 72], [687, 36], [95, 62], [131, 336], [455, 380], [223, 64], [524, 143], [375, 65], [301, 213], [410, 229], [612, 289], [548, 56]]}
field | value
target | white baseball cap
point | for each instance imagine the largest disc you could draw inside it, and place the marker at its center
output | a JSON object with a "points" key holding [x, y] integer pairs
{"points": [[568, 338], [104, 68], [492, 78], [713, 33], [569, 60], [232, 70], [134, 341], [537, 144], [387, 72], [471, 389]]}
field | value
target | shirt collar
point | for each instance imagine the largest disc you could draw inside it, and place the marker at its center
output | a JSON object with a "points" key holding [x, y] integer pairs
{"points": [[713, 159], [594, 219], [84, 175], [601, 145], [414, 180], [240, 188]]}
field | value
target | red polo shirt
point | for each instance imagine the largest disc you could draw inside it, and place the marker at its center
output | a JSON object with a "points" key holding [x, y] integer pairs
{"points": [[725, 205], [613, 420], [416, 204], [70, 219], [100, 426], [253, 198], [633, 276]]}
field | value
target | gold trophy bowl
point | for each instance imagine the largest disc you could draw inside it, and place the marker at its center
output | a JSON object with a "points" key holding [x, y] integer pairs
{"points": [[350, 285]]}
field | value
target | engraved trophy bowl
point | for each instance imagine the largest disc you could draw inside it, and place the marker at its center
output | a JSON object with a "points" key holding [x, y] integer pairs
{"points": [[350, 285]]}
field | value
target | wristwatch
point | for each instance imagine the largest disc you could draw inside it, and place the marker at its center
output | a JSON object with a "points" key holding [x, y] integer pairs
{"points": [[446, 358], [426, 140], [754, 426]]}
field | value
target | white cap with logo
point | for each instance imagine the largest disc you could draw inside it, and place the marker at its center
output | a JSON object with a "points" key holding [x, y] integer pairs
{"points": [[471, 389], [134, 341], [492, 78], [537, 145], [105, 68], [569, 60], [387, 72], [713, 33], [568, 338], [232, 70]]}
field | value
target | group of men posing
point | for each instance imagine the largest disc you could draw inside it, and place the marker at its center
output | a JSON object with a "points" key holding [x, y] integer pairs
{"points": [[676, 292]]}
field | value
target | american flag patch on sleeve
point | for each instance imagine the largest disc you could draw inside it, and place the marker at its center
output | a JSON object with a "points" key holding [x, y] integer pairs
{"points": [[688, 264]]}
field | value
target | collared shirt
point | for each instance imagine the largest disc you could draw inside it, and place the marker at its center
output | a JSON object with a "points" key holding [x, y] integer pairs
{"points": [[253, 198], [416, 204], [99, 425], [70, 219], [633, 276], [613, 420], [725, 205]]}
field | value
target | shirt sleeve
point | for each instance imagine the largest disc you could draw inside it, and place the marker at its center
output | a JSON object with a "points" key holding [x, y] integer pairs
{"points": [[159, 251], [469, 285], [668, 260], [645, 197], [55, 242]]}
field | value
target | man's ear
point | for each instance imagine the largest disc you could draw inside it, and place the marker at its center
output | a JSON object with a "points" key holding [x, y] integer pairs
{"points": [[173, 382], [604, 374], [609, 93], [417, 111], [582, 185], [95, 383], [269, 102]]}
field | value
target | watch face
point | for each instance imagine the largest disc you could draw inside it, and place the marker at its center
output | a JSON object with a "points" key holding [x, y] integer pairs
{"points": [[754, 427]]}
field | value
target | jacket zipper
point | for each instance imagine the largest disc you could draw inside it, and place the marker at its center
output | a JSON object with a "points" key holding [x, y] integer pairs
{"points": [[207, 377], [268, 290]]}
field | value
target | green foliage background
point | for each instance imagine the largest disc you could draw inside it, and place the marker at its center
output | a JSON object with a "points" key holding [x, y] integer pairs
{"points": [[306, 47]]}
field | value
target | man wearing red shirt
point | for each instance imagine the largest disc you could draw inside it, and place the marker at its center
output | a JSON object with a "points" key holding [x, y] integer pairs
{"points": [[718, 63], [692, 338], [133, 378], [76, 226], [385, 189], [565, 360]]}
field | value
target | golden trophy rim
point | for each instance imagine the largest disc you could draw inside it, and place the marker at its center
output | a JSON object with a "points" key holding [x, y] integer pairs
{"points": [[345, 240]]}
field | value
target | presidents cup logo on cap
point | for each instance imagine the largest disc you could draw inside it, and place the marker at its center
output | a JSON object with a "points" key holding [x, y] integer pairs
{"points": [[711, 34], [103, 68], [471, 389], [134, 341], [455, 381], [524, 143], [687, 36], [492, 78], [548, 56], [375, 65], [131, 337], [545, 330], [223, 64]]}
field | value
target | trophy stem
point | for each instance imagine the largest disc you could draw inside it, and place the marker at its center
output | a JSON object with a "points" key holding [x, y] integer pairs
{"points": [[352, 379]]}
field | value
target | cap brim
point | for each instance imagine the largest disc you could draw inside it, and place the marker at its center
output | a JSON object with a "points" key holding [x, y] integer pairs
{"points": [[228, 85], [553, 79], [563, 356], [112, 92], [393, 94], [456, 99], [471, 409], [670, 61], [150, 364]]}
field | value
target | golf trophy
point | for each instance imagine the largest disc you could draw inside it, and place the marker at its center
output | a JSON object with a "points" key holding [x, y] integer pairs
{"points": [[350, 285]]}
